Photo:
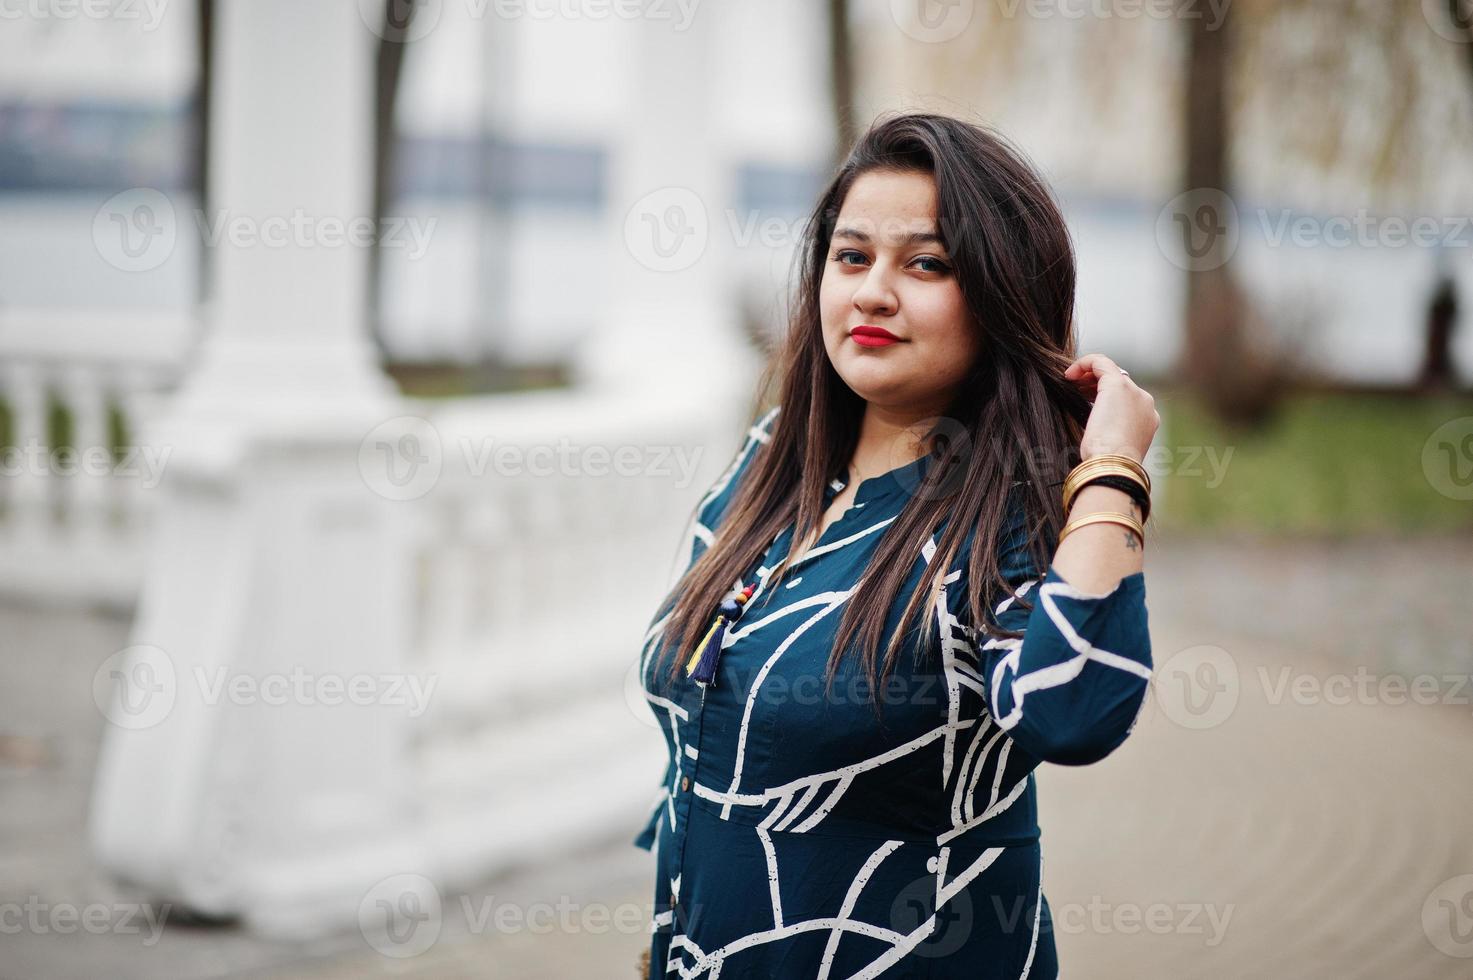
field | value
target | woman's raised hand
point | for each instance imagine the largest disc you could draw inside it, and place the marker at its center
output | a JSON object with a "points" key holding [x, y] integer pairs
{"points": [[1124, 417]]}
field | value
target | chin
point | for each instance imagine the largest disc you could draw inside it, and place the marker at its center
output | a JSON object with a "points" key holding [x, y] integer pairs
{"points": [[882, 386]]}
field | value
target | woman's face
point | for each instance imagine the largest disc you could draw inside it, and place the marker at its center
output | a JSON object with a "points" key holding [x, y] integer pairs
{"points": [[887, 269]]}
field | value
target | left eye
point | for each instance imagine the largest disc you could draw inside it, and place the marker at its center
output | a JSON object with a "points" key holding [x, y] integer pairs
{"points": [[937, 264]]}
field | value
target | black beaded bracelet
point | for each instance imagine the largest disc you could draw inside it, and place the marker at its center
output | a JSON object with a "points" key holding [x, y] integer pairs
{"points": [[1136, 491]]}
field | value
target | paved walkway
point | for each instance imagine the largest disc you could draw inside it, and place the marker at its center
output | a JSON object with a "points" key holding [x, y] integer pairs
{"points": [[1276, 813], [1290, 840]]}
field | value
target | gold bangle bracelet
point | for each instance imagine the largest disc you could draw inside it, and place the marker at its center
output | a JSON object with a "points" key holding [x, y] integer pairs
{"points": [[1074, 484], [1113, 459], [1105, 463], [1121, 458], [1079, 476], [1105, 517]]}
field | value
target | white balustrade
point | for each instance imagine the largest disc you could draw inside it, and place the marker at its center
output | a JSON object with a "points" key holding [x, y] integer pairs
{"points": [[73, 523], [537, 593]]}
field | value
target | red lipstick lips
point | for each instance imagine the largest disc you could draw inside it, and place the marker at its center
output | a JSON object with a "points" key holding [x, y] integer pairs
{"points": [[868, 336]]}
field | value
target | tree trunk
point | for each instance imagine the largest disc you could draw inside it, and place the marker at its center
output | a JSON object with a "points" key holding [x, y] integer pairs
{"points": [[1212, 315], [1237, 380], [841, 79]]}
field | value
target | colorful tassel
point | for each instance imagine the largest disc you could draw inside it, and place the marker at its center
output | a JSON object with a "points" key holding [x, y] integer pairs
{"points": [[702, 664]]}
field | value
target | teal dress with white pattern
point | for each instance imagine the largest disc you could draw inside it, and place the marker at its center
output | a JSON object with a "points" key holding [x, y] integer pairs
{"points": [[797, 836]]}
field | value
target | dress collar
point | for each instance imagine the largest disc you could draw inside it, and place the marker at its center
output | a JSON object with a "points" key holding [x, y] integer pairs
{"points": [[902, 480]]}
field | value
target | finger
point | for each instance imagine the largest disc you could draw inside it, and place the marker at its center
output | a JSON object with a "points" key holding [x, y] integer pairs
{"points": [[1106, 373], [1096, 364]]}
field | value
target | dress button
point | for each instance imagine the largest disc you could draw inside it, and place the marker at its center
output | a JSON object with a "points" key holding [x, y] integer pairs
{"points": [[685, 783]]}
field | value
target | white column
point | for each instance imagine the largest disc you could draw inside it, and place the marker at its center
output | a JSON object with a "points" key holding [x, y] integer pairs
{"points": [[673, 321], [291, 174], [270, 556]]}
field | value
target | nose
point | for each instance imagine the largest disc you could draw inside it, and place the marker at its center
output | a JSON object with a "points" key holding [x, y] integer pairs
{"points": [[875, 297]]}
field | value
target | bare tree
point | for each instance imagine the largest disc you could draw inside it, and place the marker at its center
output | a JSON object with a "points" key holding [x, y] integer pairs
{"points": [[1230, 374]]}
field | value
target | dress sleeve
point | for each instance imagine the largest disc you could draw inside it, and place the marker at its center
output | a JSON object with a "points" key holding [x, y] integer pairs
{"points": [[1070, 689]]}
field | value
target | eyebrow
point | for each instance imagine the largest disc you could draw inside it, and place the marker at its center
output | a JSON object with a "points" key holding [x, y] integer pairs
{"points": [[913, 238]]}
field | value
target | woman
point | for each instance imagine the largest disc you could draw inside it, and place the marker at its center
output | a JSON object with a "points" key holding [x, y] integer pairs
{"points": [[854, 720]]}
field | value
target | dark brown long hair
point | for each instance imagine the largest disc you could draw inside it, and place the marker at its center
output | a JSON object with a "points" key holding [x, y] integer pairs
{"points": [[1015, 420]]}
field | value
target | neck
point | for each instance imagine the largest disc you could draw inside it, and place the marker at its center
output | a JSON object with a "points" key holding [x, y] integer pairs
{"points": [[889, 437]]}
